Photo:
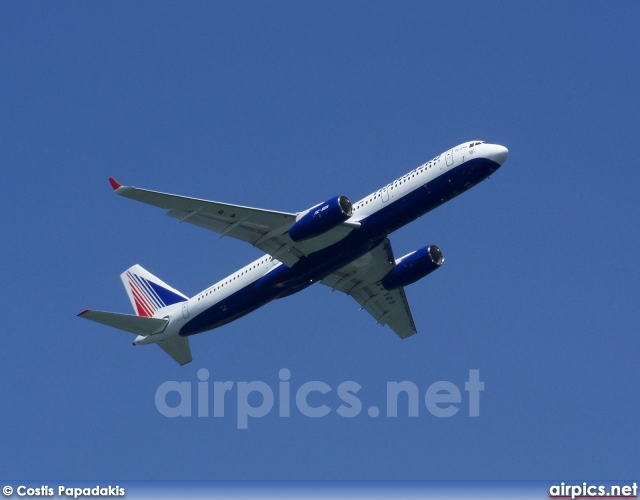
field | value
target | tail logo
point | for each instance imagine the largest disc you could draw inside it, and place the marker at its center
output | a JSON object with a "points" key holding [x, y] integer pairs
{"points": [[150, 296]]}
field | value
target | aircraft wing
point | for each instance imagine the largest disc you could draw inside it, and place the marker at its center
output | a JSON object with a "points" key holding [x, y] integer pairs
{"points": [[361, 279], [264, 229]]}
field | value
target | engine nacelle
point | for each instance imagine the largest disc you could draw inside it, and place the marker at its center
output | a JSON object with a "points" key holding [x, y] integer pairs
{"points": [[321, 218], [413, 266]]}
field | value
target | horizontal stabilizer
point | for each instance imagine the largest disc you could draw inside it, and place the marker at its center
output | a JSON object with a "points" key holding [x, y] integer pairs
{"points": [[178, 348], [139, 325]]}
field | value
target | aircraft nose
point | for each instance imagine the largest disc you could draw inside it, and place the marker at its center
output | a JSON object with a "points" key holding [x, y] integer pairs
{"points": [[498, 154]]}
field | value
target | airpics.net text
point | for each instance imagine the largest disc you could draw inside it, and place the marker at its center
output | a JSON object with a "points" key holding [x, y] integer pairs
{"points": [[256, 399]]}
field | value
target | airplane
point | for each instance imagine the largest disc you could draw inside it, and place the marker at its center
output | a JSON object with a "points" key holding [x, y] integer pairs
{"points": [[343, 246]]}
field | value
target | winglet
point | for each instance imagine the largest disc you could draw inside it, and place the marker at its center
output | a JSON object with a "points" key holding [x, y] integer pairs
{"points": [[85, 311], [114, 184]]}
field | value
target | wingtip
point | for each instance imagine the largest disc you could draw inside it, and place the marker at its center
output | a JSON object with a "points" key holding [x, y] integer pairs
{"points": [[114, 184], [83, 312]]}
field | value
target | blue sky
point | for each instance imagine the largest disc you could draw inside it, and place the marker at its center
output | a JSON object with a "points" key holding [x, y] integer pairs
{"points": [[281, 106]]}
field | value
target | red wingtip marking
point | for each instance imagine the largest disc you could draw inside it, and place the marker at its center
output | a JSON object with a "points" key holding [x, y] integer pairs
{"points": [[114, 183], [86, 310]]}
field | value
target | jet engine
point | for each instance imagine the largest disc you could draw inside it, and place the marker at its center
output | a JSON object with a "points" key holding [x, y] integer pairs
{"points": [[413, 266], [321, 218]]}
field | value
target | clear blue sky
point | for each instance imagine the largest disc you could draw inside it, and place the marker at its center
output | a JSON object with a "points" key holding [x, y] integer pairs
{"points": [[281, 106]]}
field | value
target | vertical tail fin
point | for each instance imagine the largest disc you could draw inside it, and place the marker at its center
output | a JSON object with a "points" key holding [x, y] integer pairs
{"points": [[148, 293]]}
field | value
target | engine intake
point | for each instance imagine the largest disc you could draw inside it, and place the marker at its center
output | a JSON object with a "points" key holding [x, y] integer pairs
{"points": [[321, 218], [413, 266]]}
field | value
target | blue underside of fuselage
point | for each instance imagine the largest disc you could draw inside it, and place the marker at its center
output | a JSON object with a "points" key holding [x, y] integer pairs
{"points": [[283, 281]]}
